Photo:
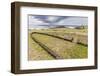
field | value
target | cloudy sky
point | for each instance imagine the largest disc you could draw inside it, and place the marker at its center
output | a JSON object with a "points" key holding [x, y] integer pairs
{"points": [[44, 21]]}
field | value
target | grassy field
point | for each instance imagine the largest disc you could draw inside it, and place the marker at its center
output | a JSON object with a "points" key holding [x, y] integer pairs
{"points": [[36, 52], [66, 49]]}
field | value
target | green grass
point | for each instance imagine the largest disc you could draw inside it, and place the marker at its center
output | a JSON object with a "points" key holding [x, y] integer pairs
{"points": [[63, 48], [66, 49]]}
